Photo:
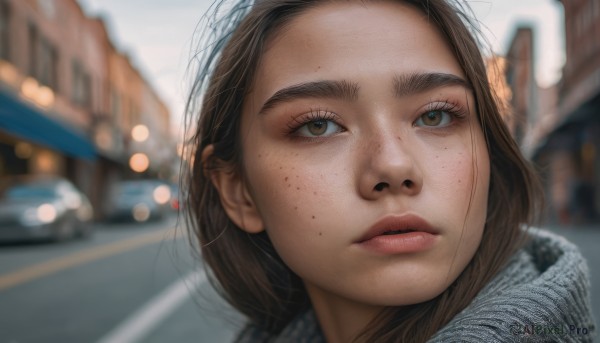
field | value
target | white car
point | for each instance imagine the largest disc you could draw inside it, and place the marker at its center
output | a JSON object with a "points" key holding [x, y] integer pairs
{"points": [[43, 209]]}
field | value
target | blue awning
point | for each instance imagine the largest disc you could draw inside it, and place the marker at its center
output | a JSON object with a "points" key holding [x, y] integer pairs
{"points": [[26, 122]]}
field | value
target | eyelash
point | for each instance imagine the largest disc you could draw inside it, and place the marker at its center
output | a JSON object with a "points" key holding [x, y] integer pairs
{"points": [[314, 115], [453, 109]]}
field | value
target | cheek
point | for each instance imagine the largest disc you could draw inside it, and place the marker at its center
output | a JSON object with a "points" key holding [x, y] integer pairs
{"points": [[461, 173], [289, 191]]}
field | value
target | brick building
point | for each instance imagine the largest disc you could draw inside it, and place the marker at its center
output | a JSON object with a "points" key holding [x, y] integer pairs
{"points": [[69, 98], [569, 152], [519, 72], [558, 127]]}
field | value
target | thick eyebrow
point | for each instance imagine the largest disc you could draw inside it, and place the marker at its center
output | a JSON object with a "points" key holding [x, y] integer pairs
{"points": [[317, 89], [407, 84]]}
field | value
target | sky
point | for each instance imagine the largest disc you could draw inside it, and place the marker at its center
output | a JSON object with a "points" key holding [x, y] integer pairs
{"points": [[157, 35]]}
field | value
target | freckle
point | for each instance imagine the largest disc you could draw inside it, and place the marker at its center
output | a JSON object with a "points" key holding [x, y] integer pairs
{"points": [[436, 156], [259, 155], [295, 207], [298, 188], [289, 185], [280, 168], [315, 193], [286, 178], [297, 176], [458, 181], [446, 148], [313, 217], [297, 154], [320, 233]]}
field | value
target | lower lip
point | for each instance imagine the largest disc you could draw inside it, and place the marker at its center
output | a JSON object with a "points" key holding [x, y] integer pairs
{"points": [[404, 243]]}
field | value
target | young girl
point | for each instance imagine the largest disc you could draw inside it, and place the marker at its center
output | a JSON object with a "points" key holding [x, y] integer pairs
{"points": [[353, 181]]}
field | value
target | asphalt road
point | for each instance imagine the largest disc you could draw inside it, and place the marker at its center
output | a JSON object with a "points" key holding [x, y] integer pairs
{"points": [[127, 283], [136, 283]]}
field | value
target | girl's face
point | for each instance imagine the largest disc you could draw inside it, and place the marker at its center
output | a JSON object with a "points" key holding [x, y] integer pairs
{"points": [[361, 121]]}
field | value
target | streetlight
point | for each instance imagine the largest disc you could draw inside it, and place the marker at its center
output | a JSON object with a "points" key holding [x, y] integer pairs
{"points": [[140, 133], [139, 162]]}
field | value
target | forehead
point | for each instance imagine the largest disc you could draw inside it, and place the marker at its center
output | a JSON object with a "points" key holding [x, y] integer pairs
{"points": [[351, 40]]}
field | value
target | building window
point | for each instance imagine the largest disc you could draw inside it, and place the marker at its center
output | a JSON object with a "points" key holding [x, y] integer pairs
{"points": [[46, 70], [33, 51], [43, 59], [4, 28], [81, 85]]}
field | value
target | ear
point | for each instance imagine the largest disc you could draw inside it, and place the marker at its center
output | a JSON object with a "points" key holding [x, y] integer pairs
{"points": [[235, 198]]}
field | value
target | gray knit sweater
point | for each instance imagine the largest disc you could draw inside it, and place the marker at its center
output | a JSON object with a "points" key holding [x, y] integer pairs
{"points": [[541, 296]]}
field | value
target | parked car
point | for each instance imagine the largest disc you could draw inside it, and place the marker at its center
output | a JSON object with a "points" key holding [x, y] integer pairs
{"points": [[139, 200], [43, 209]]}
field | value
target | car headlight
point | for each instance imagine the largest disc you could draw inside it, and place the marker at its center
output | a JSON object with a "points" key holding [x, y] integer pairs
{"points": [[46, 213], [161, 194], [141, 212], [43, 214]]}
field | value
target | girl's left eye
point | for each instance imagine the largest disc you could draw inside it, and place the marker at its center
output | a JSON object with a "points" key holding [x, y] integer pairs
{"points": [[318, 128], [436, 118]]}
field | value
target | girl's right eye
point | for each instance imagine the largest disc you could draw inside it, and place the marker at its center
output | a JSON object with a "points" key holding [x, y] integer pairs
{"points": [[318, 128], [315, 124]]}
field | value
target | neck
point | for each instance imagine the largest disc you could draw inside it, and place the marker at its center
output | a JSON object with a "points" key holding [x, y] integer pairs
{"points": [[340, 319]]}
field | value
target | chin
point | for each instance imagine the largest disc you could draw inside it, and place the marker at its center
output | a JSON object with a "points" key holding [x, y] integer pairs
{"points": [[410, 294]]}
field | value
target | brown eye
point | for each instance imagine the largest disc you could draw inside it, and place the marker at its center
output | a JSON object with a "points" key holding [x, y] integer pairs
{"points": [[432, 118], [436, 118], [317, 128]]}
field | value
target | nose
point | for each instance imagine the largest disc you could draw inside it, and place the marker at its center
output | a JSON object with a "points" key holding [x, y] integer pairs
{"points": [[389, 166]]}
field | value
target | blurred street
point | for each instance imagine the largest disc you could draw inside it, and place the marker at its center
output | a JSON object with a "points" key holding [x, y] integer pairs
{"points": [[136, 283], [127, 283]]}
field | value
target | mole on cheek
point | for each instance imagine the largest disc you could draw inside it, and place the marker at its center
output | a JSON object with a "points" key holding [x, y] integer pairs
{"points": [[320, 233], [313, 217]]}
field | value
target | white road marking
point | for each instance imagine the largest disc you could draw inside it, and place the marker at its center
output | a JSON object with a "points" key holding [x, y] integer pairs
{"points": [[139, 324]]}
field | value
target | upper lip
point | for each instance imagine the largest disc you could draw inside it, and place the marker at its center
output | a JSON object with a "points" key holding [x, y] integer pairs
{"points": [[397, 223]]}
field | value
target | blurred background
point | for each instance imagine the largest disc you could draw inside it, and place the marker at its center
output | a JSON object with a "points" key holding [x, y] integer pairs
{"points": [[91, 100]]}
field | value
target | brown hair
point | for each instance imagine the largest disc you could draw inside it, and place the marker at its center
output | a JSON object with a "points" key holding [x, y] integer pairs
{"points": [[246, 269]]}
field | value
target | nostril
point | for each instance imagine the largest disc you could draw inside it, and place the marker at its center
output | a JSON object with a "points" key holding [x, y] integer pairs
{"points": [[408, 183], [381, 186]]}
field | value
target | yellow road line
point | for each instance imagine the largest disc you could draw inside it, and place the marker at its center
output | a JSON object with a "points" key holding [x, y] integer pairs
{"points": [[45, 268]]}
